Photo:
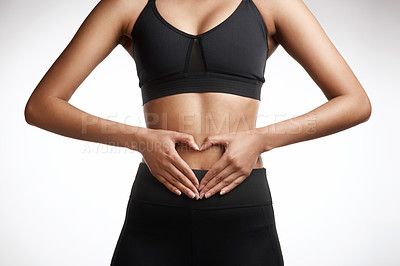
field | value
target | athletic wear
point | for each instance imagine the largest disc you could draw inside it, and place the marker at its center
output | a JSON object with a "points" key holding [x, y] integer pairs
{"points": [[162, 228], [229, 58]]}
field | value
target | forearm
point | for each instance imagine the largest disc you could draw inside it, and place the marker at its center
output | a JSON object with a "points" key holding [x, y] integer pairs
{"points": [[58, 116], [338, 114]]}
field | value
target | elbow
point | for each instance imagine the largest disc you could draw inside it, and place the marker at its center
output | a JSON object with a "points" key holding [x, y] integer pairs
{"points": [[29, 113], [38, 111], [33, 111], [365, 109]]}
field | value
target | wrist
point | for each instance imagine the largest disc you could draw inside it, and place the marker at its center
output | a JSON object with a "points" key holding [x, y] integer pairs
{"points": [[265, 140], [136, 139]]}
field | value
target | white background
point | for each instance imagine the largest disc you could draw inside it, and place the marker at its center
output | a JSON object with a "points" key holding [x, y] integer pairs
{"points": [[63, 201]]}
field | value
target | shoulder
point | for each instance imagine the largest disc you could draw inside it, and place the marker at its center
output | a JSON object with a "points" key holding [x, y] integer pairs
{"points": [[288, 15], [127, 12], [279, 14]]}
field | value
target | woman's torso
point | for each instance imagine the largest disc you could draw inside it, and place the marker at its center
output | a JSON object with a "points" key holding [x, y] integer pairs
{"points": [[206, 113], [202, 115]]}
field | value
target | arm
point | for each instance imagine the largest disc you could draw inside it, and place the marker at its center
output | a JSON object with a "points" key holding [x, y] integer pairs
{"points": [[48, 106], [300, 34], [108, 25]]}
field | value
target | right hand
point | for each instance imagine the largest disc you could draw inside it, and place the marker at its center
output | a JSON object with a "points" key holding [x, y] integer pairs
{"points": [[158, 150]]}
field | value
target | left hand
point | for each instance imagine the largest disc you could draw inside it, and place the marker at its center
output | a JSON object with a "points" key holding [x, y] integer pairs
{"points": [[242, 150]]}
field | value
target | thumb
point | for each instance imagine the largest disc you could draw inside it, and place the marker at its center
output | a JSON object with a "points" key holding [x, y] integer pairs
{"points": [[212, 140], [188, 139]]}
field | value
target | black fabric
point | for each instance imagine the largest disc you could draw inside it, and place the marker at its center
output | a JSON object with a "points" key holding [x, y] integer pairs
{"points": [[229, 58], [196, 62], [162, 228]]}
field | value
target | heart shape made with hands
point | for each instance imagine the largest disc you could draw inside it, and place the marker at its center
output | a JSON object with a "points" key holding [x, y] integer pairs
{"points": [[210, 141]]}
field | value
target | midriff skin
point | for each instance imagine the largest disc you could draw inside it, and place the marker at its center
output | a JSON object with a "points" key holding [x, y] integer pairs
{"points": [[201, 115]]}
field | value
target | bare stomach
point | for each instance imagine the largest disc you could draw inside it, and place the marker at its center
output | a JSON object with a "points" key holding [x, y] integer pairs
{"points": [[202, 115]]}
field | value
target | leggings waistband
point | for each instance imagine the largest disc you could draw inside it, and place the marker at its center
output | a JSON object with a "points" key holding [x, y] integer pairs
{"points": [[253, 191]]}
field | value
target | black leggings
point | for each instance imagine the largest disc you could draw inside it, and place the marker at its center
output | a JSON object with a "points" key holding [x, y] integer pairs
{"points": [[162, 228]]}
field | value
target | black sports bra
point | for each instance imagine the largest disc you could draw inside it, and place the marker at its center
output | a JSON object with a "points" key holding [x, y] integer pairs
{"points": [[229, 58]]}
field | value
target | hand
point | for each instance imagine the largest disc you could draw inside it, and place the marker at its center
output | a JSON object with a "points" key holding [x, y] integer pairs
{"points": [[242, 150], [164, 162]]}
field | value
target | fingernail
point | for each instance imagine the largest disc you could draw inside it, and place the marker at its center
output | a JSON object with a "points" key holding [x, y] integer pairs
{"points": [[208, 195], [222, 192], [201, 195], [197, 147], [179, 193], [197, 196], [192, 195]]}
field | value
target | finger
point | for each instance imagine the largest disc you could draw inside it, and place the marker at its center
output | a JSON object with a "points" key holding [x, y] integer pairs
{"points": [[168, 185], [228, 170], [175, 182], [188, 139], [182, 183], [222, 184], [232, 185], [213, 140], [182, 166], [182, 178], [215, 169]]}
